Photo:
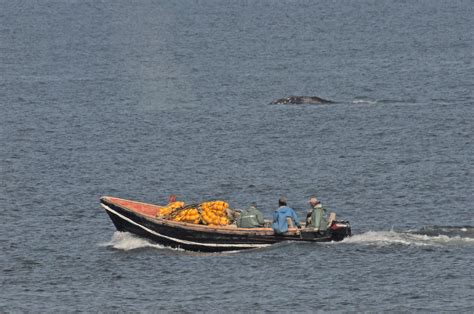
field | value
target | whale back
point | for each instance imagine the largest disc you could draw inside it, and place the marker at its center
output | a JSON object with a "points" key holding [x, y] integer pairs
{"points": [[298, 100]]}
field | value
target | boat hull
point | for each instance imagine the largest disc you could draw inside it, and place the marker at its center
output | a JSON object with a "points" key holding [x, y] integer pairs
{"points": [[205, 238]]}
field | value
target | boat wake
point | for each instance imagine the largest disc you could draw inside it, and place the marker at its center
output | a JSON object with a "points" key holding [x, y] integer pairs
{"points": [[427, 236], [450, 231], [126, 241], [435, 236]]}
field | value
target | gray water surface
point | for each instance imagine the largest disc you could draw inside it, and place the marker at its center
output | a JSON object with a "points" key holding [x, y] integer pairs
{"points": [[141, 99]]}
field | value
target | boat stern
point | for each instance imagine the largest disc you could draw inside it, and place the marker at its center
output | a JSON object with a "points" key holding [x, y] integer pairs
{"points": [[340, 229]]}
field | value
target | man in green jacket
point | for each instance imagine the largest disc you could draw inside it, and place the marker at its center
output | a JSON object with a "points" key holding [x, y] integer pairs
{"points": [[317, 215], [250, 218]]}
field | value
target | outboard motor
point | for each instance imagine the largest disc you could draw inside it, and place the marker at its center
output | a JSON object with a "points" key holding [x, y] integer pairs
{"points": [[340, 229]]}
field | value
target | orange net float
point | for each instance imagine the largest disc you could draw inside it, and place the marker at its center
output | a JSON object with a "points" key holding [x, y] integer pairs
{"points": [[168, 209]]}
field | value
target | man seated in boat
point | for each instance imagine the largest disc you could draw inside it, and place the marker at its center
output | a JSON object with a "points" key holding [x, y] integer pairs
{"points": [[250, 218], [280, 222], [317, 215]]}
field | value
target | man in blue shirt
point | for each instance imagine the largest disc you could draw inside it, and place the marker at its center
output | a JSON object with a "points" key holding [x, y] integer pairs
{"points": [[280, 224]]}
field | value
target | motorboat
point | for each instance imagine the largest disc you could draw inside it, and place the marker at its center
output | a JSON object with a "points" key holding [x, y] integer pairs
{"points": [[141, 219]]}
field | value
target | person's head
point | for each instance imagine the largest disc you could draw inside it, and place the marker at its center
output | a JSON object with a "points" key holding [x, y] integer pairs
{"points": [[313, 201], [171, 198], [282, 201], [253, 204]]}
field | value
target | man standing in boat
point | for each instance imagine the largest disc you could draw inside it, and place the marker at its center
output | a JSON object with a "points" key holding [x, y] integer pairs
{"points": [[316, 217], [280, 222]]}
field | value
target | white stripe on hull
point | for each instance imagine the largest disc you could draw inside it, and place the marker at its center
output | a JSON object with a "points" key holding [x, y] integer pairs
{"points": [[179, 240]]}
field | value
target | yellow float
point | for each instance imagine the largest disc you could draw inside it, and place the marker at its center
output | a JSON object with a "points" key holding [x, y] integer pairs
{"points": [[207, 213], [168, 209]]}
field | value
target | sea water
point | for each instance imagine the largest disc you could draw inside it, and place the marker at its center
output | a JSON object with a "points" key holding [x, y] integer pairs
{"points": [[142, 99]]}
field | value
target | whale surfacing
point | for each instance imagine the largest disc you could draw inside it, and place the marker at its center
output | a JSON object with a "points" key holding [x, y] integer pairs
{"points": [[298, 100]]}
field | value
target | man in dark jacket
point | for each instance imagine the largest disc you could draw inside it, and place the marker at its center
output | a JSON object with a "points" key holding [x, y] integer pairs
{"points": [[250, 218]]}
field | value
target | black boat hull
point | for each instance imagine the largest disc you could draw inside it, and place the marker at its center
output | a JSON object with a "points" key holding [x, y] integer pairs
{"points": [[207, 239]]}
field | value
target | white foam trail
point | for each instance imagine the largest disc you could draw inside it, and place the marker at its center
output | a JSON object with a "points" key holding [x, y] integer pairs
{"points": [[364, 101], [385, 238], [127, 241]]}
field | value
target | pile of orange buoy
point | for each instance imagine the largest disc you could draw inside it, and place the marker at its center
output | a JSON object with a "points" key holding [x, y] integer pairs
{"points": [[189, 215], [214, 213], [206, 213], [168, 209]]}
